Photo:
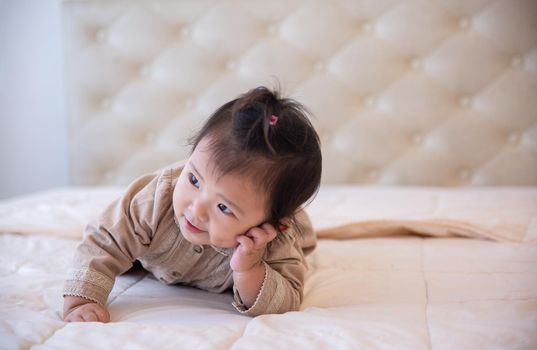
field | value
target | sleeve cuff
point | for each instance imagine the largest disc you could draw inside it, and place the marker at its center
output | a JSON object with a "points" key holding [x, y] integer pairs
{"points": [[269, 299], [89, 284]]}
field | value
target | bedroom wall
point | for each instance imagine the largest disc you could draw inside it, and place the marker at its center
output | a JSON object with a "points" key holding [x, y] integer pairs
{"points": [[33, 141], [477, 62], [404, 93]]}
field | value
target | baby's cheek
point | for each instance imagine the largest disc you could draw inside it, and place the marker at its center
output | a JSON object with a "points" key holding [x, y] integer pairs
{"points": [[223, 236], [182, 198]]}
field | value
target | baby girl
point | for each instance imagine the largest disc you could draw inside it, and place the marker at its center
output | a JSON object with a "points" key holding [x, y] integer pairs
{"points": [[229, 218]]}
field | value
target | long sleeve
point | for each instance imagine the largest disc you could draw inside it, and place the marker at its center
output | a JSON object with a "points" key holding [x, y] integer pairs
{"points": [[112, 242], [285, 268]]}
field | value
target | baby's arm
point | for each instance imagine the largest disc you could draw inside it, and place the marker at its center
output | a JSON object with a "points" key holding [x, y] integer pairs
{"points": [[77, 309], [271, 282], [121, 234], [246, 263]]}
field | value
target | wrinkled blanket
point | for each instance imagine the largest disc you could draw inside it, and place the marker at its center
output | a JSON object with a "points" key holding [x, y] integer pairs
{"points": [[395, 268]]}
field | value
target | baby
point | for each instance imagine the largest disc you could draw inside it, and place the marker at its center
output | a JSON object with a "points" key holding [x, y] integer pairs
{"points": [[229, 218]]}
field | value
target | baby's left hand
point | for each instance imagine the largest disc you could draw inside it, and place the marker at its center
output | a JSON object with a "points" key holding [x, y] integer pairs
{"points": [[251, 247]]}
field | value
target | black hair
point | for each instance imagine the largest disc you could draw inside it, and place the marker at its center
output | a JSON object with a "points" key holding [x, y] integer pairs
{"points": [[272, 141]]}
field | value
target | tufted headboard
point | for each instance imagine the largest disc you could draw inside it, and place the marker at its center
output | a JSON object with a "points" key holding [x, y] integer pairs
{"points": [[416, 92]]}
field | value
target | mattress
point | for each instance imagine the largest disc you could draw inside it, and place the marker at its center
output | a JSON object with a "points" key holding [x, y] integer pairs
{"points": [[395, 268]]}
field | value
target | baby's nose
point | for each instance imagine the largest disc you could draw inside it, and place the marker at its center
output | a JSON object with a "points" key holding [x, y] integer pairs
{"points": [[199, 209]]}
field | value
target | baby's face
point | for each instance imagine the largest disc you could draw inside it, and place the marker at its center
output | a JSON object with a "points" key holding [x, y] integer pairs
{"points": [[215, 210]]}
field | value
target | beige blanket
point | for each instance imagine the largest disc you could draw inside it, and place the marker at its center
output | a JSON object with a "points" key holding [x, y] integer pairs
{"points": [[501, 214], [339, 212], [396, 292]]}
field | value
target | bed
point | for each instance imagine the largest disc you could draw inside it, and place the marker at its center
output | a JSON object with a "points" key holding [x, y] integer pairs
{"points": [[427, 214]]}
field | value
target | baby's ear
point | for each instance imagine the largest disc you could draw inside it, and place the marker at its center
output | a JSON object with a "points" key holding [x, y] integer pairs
{"points": [[285, 223]]}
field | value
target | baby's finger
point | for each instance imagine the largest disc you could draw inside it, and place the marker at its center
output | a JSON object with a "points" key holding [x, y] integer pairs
{"points": [[89, 316], [258, 236], [74, 318], [245, 242], [270, 232], [102, 314], [264, 235]]}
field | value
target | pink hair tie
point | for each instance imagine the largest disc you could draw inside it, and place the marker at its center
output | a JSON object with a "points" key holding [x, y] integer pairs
{"points": [[273, 120]]}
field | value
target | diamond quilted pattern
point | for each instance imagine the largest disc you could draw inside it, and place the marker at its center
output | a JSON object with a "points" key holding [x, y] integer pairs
{"points": [[402, 92]]}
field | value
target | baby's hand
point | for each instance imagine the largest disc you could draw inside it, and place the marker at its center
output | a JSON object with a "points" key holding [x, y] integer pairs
{"points": [[85, 312], [251, 247]]}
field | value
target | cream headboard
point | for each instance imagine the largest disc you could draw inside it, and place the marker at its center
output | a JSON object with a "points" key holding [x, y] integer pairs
{"points": [[404, 92]]}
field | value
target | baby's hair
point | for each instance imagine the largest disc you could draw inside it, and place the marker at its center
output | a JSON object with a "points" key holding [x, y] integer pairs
{"points": [[271, 141]]}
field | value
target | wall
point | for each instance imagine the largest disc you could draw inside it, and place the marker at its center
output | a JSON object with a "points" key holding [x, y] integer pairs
{"points": [[33, 130]]}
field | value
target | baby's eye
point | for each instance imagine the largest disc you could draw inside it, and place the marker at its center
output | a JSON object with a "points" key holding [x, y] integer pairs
{"points": [[194, 181], [224, 209]]}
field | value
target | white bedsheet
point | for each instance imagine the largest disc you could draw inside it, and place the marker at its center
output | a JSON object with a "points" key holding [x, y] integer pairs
{"points": [[397, 292]]}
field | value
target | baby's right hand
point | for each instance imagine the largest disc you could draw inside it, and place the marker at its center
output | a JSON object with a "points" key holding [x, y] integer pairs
{"points": [[82, 310]]}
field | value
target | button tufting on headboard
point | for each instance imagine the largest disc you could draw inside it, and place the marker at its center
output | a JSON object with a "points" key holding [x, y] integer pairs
{"points": [[403, 93]]}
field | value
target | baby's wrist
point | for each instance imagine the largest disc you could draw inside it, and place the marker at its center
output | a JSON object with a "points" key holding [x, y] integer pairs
{"points": [[74, 301], [256, 266]]}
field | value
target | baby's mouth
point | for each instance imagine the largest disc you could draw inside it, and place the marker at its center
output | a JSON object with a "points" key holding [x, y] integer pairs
{"points": [[190, 227]]}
